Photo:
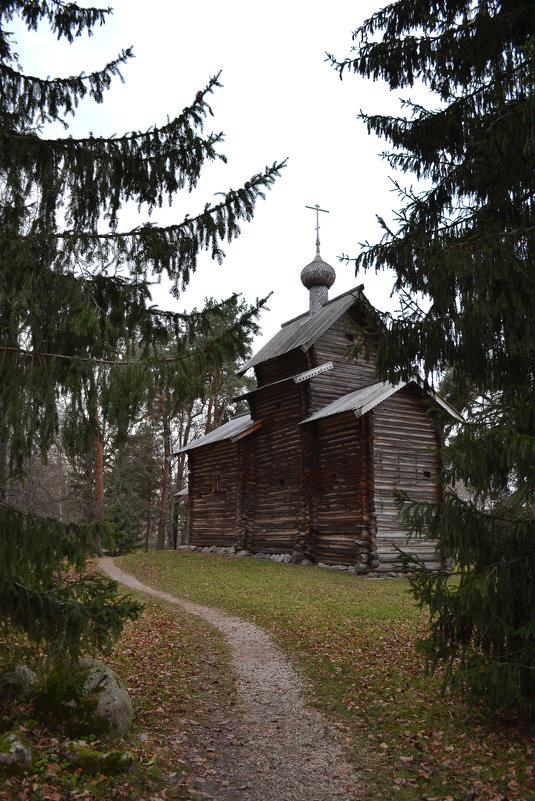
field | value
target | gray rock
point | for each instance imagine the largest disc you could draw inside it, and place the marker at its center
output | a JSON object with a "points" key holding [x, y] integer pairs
{"points": [[206, 549], [286, 558], [113, 701], [16, 754], [340, 567], [276, 557], [322, 564], [90, 759], [243, 552], [351, 569], [16, 682], [261, 556], [306, 562]]}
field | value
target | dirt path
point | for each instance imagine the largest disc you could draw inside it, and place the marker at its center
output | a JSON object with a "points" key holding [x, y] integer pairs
{"points": [[281, 750]]}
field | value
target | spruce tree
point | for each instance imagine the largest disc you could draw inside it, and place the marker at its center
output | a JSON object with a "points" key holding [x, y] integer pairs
{"points": [[465, 245], [79, 341]]}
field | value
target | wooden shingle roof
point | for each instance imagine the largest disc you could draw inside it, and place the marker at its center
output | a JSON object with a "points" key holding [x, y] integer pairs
{"points": [[234, 429], [363, 400], [303, 331]]}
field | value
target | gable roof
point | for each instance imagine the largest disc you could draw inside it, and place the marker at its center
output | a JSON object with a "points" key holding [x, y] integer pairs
{"points": [[303, 331], [360, 402], [234, 429], [363, 400]]}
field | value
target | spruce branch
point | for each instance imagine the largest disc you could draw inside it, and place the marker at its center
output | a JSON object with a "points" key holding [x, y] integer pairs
{"points": [[39, 100]]}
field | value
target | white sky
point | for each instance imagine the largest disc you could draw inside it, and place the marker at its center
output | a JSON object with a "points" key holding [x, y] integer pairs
{"points": [[280, 99]]}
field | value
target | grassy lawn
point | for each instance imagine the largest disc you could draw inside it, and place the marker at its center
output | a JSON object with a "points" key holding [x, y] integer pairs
{"points": [[353, 642]]}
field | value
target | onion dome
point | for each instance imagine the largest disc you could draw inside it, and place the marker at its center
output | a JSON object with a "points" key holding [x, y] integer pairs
{"points": [[318, 277]]}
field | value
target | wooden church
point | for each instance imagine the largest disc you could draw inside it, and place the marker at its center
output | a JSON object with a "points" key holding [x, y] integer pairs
{"points": [[310, 470]]}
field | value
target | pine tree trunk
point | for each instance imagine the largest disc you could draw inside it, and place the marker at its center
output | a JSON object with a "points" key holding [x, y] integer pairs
{"points": [[166, 472], [99, 469], [208, 424], [179, 478], [3, 471], [219, 414], [148, 522]]}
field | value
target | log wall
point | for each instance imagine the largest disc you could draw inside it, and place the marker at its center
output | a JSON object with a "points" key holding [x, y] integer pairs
{"points": [[213, 494], [406, 458], [289, 364], [346, 376], [274, 519], [341, 524], [246, 458]]}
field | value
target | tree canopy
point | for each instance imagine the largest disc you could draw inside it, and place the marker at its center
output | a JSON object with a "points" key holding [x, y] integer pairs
{"points": [[79, 338], [465, 245]]}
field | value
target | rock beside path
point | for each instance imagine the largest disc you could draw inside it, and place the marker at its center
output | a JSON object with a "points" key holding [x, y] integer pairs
{"points": [[90, 700], [113, 702], [16, 754]]}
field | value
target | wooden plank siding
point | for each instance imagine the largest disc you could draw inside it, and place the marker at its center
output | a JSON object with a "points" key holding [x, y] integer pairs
{"points": [[246, 481], [405, 458], [213, 493], [292, 363], [341, 525], [277, 469], [346, 376]]}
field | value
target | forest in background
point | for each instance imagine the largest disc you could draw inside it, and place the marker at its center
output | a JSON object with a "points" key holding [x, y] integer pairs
{"points": [[139, 479]]}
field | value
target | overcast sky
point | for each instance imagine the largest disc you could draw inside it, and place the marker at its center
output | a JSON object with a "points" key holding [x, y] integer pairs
{"points": [[280, 99]]}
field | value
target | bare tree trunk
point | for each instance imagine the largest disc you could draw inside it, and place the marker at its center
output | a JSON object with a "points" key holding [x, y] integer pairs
{"points": [[183, 439]]}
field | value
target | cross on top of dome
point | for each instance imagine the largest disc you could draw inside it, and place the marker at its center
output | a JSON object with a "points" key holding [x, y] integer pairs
{"points": [[318, 276]]}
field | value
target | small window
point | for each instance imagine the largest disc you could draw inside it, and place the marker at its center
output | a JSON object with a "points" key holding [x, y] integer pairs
{"points": [[216, 482], [427, 474], [278, 405], [282, 482], [350, 337]]}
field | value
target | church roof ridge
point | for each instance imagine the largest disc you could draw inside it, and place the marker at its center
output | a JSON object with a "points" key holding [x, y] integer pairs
{"points": [[356, 289], [362, 400], [304, 330]]}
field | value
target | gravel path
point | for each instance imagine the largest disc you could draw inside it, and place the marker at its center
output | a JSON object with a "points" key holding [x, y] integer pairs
{"points": [[281, 750]]}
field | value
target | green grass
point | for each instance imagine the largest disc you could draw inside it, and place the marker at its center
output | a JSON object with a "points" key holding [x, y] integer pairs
{"points": [[353, 641]]}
